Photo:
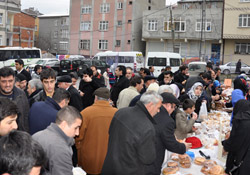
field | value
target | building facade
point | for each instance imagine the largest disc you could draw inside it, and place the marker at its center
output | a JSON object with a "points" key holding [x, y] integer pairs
{"points": [[8, 8], [116, 25], [236, 31], [194, 29], [54, 34], [24, 30]]}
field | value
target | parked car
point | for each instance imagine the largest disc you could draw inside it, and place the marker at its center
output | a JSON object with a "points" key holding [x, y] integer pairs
{"points": [[196, 67], [89, 62], [230, 68], [45, 62], [69, 65]]}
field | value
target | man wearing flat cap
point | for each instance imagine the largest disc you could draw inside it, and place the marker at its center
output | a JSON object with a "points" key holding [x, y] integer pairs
{"points": [[94, 132], [148, 79], [165, 138], [65, 82]]}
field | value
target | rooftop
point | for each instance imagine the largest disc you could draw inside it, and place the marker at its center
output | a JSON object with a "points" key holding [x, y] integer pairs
{"points": [[53, 15]]}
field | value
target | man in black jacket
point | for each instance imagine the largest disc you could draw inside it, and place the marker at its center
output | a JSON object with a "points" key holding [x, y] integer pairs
{"points": [[182, 76], [132, 137], [7, 89], [20, 70], [121, 83], [165, 138], [65, 82]]}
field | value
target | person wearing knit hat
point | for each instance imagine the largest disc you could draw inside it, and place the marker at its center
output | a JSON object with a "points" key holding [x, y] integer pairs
{"points": [[148, 79], [65, 82]]}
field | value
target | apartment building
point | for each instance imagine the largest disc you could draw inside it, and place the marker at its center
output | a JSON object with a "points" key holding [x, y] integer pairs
{"points": [[236, 31], [194, 30], [54, 34], [116, 25], [8, 8]]}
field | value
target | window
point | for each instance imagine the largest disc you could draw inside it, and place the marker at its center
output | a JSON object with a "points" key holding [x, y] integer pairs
{"points": [[85, 44], [105, 8], [206, 26], [149, 7], [55, 34], [119, 23], [129, 21], [149, 1], [242, 48], [103, 25], [130, 2], [55, 46], [64, 21], [56, 23], [85, 26], [87, 9], [179, 26], [1, 40], [152, 25], [177, 48], [103, 45], [119, 5], [64, 33], [244, 20], [63, 45], [174, 62], [117, 43], [244, 0], [154, 61]]}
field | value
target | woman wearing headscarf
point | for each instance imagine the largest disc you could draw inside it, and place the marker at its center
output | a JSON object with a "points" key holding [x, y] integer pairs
{"points": [[195, 94], [238, 144]]}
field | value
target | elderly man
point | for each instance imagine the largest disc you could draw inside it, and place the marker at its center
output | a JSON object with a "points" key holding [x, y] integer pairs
{"points": [[34, 87], [126, 95], [57, 140], [94, 132], [7, 89], [132, 137], [65, 82]]}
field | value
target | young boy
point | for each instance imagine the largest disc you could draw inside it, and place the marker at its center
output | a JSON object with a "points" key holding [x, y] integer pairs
{"points": [[185, 119]]}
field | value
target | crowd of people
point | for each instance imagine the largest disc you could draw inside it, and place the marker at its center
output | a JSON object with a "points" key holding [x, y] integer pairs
{"points": [[112, 123]]}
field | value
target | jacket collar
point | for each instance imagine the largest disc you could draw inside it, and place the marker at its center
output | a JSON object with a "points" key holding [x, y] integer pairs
{"points": [[53, 103], [144, 109], [55, 128]]}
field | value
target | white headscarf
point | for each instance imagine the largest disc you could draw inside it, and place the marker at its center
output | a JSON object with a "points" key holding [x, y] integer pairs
{"points": [[176, 90], [191, 93]]}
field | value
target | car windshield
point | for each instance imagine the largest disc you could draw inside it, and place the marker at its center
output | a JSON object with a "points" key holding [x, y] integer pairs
{"points": [[40, 62]]}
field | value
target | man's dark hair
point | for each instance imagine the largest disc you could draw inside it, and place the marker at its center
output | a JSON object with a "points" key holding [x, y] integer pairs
{"points": [[167, 67], [129, 68], [7, 108], [188, 103], [146, 71], [150, 67], [19, 153], [209, 65], [73, 75], [217, 69], [183, 67], [47, 73], [135, 80], [61, 94], [6, 71], [19, 61], [206, 75], [68, 114], [37, 67], [94, 67], [88, 71], [122, 68], [168, 73]]}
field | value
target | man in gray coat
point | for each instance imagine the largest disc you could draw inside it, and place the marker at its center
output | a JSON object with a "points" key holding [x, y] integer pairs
{"points": [[57, 140]]}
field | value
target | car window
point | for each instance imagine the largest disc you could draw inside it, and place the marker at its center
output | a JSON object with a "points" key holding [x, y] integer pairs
{"points": [[197, 67], [129, 59], [156, 61], [40, 62], [65, 62], [232, 64], [175, 62], [96, 63], [87, 62], [244, 65], [103, 63]]}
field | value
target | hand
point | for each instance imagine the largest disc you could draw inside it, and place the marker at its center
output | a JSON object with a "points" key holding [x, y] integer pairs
{"points": [[183, 82], [81, 93], [194, 128], [188, 145], [87, 78], [194, 116]]}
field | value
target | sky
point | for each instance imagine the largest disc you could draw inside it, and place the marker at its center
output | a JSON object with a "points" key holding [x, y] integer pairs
{"points": [[57, 6], [47, 6]]}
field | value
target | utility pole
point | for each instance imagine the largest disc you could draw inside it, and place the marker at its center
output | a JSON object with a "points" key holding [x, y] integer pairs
{"points": [[19, 35], [172, 25], [202, 28]]}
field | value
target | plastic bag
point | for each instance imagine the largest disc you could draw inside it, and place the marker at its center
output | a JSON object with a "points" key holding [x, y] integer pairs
{"points": [[203, 111]]}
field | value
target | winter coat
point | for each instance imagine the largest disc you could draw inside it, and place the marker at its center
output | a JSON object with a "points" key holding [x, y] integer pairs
{"points": [[88, 89], [42, 114], [20, 98], [31, 97], [75, 98], [179, 78], [119, 85], [92, 143], [131, 142], [165, 140], [238, 144], [238, 67], [58, 149], [125, 97], [183, 125], [40, 96]]}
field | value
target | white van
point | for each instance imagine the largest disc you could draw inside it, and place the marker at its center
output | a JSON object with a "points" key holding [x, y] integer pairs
{"points": [[134, 59], [162, 59]]}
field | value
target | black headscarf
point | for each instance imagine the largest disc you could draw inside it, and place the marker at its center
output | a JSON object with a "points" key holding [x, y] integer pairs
{"points": [[240, 83], [241, 111]]}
